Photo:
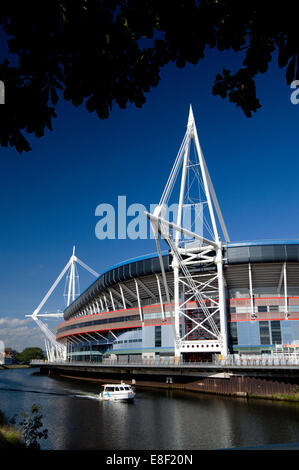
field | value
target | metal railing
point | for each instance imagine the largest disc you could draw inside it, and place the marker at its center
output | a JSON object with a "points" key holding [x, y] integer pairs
{"points": [[264, 360], [261, 361]]}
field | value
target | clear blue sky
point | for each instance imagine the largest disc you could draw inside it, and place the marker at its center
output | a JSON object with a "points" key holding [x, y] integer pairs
{"points": [[49, 195]]}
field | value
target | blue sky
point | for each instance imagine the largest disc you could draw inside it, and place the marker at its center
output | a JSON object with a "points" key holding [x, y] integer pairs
{"points": [[49, 195]]}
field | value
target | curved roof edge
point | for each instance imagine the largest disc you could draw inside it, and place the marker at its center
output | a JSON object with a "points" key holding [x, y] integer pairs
{"points": [[278, 251], [131, 268], [294, 241], [263, 251]]}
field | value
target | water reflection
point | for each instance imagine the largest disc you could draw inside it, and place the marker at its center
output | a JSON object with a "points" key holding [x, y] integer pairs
{"points": [[162, 419]]}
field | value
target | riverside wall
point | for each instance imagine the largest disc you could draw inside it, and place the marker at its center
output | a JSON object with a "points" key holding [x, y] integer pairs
{"points": [[275, 384]]}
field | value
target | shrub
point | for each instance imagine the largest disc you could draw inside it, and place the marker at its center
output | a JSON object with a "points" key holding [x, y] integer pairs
{"points": [[31, 428]]}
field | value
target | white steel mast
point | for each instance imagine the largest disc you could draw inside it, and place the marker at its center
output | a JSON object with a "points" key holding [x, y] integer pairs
{"points": [[192, 283], [54, 349]]}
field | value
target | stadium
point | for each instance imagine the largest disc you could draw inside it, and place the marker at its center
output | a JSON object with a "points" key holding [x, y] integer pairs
{"points": [[124, 314], [198, 298]]}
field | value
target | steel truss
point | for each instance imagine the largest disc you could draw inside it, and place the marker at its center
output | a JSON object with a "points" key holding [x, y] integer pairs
{"points": [[57, 351], [197, 260]]}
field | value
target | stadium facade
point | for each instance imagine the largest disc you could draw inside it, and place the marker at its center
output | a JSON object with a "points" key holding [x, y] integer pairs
{"points": [[200, 297], [124, 314]]}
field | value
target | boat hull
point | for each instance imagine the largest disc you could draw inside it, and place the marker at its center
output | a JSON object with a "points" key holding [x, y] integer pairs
{"points": [[116, 397]]}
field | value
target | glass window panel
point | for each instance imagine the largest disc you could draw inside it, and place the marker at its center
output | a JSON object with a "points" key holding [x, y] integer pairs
{"points": [[273, 308], [264, 332], [158, 334], [262, 308], [276, 332]]}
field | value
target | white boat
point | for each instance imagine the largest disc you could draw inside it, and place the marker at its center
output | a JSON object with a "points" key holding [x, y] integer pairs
{"points": [[118, 392]]}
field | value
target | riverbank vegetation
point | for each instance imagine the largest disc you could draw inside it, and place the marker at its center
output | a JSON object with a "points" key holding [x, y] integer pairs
{"points": [[14, 366], [28, 354], [24, 435], [15, 358], [10, 435]]}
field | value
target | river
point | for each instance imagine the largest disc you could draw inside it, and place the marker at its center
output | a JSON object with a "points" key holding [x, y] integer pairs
{"points": [[157, 419]]}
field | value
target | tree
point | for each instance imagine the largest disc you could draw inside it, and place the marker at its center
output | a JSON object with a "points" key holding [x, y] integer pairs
{"points": [[30, 353], [31, 428], [105, 52]]}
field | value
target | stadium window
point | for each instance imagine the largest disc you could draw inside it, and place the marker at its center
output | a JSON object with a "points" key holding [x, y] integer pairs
{"points": [[262, 308], [233, 332], [264, 332], [273, 308], [276, 332], [158, 336]]}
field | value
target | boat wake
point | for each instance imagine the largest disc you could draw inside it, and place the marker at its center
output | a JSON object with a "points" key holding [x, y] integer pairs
{"points": [[46, 392], [24, 390], [70, 394], [86, 395]]}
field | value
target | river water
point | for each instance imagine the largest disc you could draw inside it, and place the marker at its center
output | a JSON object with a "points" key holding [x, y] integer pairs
{"points": [[158, 419]]}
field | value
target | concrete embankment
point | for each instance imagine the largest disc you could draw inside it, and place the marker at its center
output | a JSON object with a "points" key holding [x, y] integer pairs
{"points": [[217, 383], [14, 366]]}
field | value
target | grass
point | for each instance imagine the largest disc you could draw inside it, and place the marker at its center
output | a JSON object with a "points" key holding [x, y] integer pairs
{"points": [[294, 397], [10, 435]]}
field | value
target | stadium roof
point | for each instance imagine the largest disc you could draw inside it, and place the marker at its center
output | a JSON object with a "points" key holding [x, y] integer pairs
{"points": [[239, 253]]}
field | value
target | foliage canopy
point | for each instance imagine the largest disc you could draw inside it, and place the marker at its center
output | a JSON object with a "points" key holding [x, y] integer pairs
{"points": [[105, 52], [28, 354]]}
